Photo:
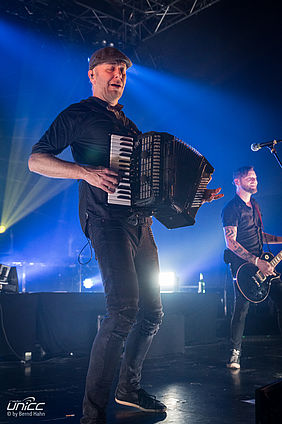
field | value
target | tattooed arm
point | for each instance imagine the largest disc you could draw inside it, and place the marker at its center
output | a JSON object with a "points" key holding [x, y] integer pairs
{"points": [[230, 234], [269, 238]]}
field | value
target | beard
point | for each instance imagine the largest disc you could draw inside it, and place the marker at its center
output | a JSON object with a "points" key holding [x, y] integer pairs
{"points": [[249, 189]]}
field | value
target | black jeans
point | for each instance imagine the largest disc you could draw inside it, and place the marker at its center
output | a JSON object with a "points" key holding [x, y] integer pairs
{"points": [[128, 261], [241, 307]]}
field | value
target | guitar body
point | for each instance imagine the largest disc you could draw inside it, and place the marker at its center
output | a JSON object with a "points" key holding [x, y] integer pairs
{"points": [[252, 283]]}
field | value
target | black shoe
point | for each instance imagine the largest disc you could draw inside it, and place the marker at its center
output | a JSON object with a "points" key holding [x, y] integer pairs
{"points": [[234, 361], [140, 399]]}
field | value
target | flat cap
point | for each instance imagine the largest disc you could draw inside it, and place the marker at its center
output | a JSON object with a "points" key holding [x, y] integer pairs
{"points": [[109, 55]]}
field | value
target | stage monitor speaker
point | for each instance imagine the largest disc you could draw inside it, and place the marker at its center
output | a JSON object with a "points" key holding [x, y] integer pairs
{"points": [[170, 337], [8, 279], [268, 404]]}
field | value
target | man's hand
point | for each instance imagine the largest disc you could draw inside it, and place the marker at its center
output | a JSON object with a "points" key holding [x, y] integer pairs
{"points": [[265, 267], [51, 166], [101, 177], [212, 194]]}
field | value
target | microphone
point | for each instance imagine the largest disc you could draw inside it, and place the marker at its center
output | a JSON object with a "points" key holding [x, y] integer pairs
{"points": [[255, 147]]}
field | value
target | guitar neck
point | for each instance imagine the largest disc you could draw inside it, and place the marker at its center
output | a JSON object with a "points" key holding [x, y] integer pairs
{"points": [[275, 261]]}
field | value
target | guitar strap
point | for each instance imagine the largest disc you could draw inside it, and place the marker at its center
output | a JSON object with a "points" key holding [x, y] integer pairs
{"points": [[259, 214], [262, 227]]}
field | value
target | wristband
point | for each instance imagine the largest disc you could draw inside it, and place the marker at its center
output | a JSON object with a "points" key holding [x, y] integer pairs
{"points": [[256, 261]]}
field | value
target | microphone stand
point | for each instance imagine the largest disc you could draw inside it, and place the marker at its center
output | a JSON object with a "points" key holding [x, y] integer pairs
{"points": [[273, 151]]}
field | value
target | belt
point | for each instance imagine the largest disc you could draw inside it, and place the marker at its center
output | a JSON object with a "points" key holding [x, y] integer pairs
{"points": [[136, 219]]}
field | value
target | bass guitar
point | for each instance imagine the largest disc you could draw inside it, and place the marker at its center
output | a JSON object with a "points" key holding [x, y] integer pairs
{"points": [[252, 283]]}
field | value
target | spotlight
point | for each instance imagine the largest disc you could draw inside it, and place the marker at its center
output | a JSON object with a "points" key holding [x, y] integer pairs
{"points": [[168, 281], [88, 283], [111, 45], [8, 279], [2, 229], [94, 283]]}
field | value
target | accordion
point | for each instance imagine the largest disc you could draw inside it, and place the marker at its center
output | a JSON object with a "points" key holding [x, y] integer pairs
{"points": [[161, 174]]}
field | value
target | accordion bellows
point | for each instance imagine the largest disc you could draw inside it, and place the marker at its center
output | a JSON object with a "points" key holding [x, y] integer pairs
{"points": [[161, 174]]}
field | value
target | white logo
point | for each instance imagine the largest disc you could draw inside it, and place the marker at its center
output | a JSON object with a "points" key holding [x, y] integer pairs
{"points": [[26, 407]]}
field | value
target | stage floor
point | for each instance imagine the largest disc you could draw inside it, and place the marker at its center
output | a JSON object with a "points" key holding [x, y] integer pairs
{"points": [[196, 387]]}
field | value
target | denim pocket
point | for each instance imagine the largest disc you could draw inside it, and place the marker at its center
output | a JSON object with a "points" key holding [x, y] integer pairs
{"points": [[103, 233]]}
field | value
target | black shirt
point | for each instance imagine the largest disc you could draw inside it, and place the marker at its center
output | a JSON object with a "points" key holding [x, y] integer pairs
{"points": [[86, 127], [248, 222]]}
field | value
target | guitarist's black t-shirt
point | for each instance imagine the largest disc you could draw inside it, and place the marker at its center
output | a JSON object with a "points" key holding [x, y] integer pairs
{"points": [[247, 220]]}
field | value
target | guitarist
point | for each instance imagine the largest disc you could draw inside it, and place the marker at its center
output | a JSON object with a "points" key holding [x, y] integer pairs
{"points": [[244, 238]]}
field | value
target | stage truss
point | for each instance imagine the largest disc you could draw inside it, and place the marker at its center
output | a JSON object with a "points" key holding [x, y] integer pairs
{"points": [[104, 22]]}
